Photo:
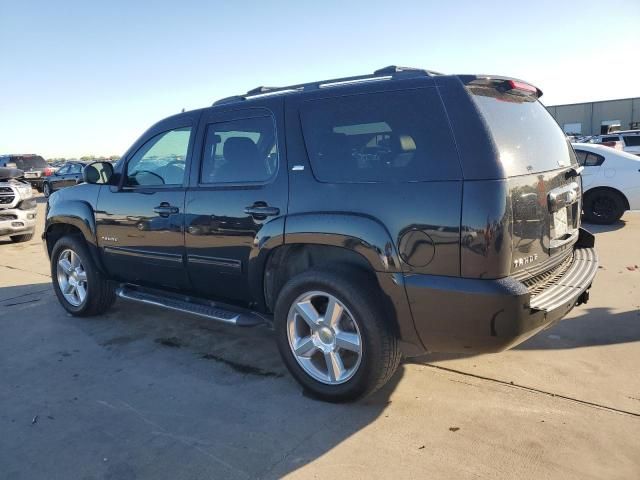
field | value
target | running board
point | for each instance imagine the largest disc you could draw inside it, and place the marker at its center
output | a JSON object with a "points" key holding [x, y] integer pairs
{"points": [[203, 308]]}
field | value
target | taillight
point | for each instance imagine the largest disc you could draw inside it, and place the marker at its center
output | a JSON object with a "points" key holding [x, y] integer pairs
{"points": [[48, 172]]}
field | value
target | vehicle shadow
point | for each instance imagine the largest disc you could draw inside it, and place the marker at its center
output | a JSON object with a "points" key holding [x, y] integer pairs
{"points": [[594, 327], [187, 394], [594, 228]]}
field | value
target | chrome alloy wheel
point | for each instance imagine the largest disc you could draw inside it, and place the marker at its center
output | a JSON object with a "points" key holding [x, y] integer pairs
{"points": [[72, 278], [324, 337]]}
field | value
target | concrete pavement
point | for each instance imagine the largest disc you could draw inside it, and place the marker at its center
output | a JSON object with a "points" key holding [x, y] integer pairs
{"points": [[145, 393]]}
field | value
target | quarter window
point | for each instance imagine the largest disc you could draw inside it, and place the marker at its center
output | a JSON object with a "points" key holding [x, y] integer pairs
{"points": [[589, 159], [240, 151], [398, 136], [160, 161]]}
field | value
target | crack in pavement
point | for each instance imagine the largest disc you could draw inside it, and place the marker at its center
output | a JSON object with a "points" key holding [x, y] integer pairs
{"points": [[25, 295], [536, 390], [27, 271]]}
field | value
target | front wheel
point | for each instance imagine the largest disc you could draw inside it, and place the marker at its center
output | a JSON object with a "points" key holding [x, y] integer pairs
{"points": [[80, 287], [333, 336], [46, 190]]}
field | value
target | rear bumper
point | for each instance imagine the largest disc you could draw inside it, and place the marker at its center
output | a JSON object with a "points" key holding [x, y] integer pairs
{"points": [[14, 221], [461, 315]]}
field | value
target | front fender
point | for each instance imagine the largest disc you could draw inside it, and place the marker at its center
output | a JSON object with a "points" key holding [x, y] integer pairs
{"points": [[77, 213]]}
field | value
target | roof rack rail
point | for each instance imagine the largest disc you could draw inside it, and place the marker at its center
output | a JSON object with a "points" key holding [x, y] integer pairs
{"points": [[387, 73], [391, 69], [261, 89]]}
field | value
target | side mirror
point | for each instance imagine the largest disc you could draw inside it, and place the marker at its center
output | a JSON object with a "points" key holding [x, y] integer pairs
{"points": [[99, 173]]}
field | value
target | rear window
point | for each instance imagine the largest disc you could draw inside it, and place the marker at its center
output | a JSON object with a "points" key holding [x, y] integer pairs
{"points": [[632, 140], [399, 136], [527, 137], [23, 163]]}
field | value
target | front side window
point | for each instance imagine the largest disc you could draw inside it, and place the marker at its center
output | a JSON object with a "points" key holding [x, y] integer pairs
{"points": [[397, 136], [632, 140], [161, 160], [240, 151], [63, 170], [75, 168]]}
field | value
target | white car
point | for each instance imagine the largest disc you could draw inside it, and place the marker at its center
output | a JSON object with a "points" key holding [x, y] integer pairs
{"points": [[610, 182]]}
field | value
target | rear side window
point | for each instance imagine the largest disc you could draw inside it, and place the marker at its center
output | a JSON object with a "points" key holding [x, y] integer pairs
{"points": [[240, 151], [610, 139], [527, 137], [632, 140], [400, 136]]}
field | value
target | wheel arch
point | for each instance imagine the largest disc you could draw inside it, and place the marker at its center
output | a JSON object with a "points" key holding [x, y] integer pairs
{"points": [[609, 189], [336, 241], [72, 218]]}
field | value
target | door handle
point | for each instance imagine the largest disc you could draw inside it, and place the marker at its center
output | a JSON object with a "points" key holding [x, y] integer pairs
{"points": [[164, 209], [261, 210]]}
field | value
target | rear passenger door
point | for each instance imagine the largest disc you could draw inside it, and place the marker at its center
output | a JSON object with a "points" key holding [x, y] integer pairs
{"points": [[237, 195]]}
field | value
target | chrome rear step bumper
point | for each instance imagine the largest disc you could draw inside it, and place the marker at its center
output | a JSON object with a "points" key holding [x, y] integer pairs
{"points": [[570, 286]]}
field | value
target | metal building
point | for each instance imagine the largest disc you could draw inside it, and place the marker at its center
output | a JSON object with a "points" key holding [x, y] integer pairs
{"points": [[595, 118]]}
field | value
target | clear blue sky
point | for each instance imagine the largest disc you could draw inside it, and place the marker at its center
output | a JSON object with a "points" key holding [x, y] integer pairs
{"points": [[85, 77]]}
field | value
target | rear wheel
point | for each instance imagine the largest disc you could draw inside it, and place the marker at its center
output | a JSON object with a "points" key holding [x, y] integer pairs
{"points": [[80, 287], [333, 336], [25, 237], [603, 207], [46, 189]]}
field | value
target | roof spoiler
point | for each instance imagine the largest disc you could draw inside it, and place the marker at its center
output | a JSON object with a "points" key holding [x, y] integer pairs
{"points": [[503, 84]]}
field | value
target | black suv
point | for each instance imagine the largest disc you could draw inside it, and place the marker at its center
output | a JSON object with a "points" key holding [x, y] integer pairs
{"points": [[366, 218]]}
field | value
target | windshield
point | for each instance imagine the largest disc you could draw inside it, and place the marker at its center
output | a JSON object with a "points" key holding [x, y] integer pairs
{"points": [[527, 137]]}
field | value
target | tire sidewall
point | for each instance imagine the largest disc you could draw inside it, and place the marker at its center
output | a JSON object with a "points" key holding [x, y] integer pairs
{"points": [[73, 243], [46, 189], [363, 307], [597, 219]]}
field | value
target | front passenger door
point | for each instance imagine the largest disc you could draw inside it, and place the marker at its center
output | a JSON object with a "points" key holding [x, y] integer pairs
{"points": [[140, 222]]}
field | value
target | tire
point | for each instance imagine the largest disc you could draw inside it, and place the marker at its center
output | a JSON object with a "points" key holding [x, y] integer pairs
{"points": [[46, 189], [99, 292], [25, 237], [603, 207], [362, 316]]}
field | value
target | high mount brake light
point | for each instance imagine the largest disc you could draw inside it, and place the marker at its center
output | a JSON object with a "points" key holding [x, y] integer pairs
{"points": [[522, 87]]}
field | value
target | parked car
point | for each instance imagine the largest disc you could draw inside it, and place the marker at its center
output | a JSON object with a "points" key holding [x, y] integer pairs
{"points": [[625, 140], [610, 180], [67, 175], [35, 167], [349, 239], [17, 206]]}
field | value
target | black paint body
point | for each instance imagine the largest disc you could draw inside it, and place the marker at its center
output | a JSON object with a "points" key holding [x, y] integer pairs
{"points": [[442, 251]]}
